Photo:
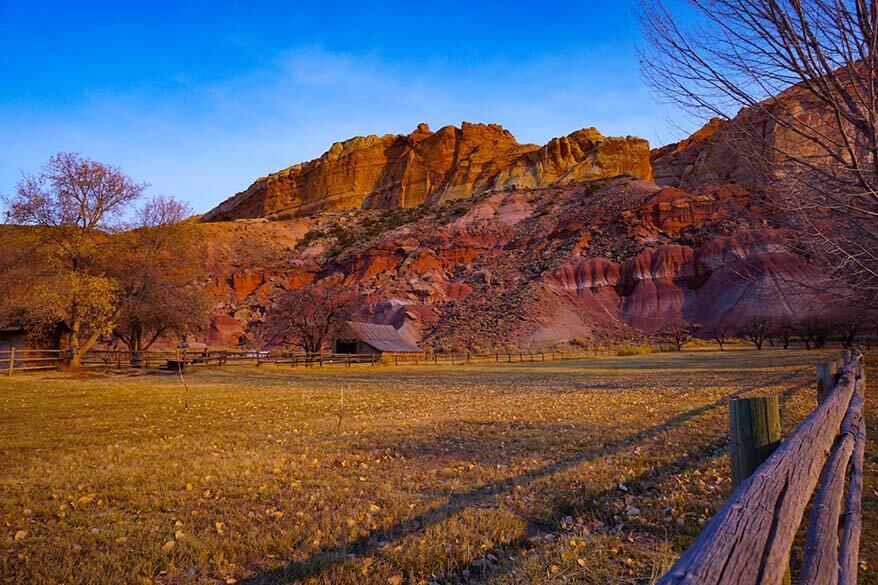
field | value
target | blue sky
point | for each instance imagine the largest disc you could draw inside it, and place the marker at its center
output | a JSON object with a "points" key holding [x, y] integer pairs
{"points": [[200, 98]]}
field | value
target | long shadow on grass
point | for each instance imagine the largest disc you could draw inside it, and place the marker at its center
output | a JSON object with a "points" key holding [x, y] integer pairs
{"points": [[601, 508], [364, 545]]}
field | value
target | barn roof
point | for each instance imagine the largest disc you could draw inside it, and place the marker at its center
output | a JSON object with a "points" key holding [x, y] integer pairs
{"points": [[382, 337]]}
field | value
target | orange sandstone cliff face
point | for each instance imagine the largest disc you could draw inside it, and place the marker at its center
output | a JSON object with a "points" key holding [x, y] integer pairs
{"points": [[402, 171]]}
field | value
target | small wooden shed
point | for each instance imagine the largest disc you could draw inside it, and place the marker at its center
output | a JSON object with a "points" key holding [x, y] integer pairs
{"points": [[372, 338], [12, 337]]}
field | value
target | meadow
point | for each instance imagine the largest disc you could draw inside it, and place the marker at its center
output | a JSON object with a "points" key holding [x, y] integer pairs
{"points": [[592, 471]]}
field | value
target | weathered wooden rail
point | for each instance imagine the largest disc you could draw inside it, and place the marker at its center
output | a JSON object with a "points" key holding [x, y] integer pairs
{"points": [[748, 542], [29, 360], [23, 360]]}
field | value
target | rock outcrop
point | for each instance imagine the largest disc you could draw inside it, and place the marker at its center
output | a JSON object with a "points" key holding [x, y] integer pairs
{"points": [[745, 149], [585, 155], [710, 156], [402, 171], [619, 258]]}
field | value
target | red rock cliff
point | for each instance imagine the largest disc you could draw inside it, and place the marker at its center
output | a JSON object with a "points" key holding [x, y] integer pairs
{"points": [[395, 170]]}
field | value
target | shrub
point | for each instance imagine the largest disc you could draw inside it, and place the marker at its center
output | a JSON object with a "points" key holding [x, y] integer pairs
{"points": [[633, 349]]}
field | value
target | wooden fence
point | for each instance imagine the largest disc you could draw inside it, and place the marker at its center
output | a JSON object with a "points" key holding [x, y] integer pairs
{"points": [[19, 360], [29, 360], [748, 542]]}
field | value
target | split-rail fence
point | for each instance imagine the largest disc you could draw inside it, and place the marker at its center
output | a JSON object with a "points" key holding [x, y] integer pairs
{"points": [[749, 541]]}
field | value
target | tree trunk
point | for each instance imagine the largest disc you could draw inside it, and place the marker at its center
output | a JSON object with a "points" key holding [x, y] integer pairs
{"points": [[136, 347], [75, 359]]}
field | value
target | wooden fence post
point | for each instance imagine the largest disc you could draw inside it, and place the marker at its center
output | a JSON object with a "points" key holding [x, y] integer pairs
{"points": [[825, 380], [754, 429], [838, 366], [11, 361]]}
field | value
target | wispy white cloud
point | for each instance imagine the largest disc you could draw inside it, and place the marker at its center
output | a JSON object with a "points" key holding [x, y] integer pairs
{"points": [[203, 142]]}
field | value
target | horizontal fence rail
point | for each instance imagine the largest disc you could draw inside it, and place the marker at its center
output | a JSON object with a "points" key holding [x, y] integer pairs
{"points": [[29, 360], [748, 542], [22, 360]]}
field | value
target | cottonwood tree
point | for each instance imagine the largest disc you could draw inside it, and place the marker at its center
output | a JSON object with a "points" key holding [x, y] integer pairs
{"points": [[160, 270], [804, 68], [307, 318], [74, 205], [94, 272]]}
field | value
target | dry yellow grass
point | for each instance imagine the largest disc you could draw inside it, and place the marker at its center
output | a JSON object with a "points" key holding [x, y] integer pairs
{"points": [[597, 471]]}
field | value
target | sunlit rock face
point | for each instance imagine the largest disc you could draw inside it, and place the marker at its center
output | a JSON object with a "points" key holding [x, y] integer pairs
{"points": [[585, 155], [402, 171]]}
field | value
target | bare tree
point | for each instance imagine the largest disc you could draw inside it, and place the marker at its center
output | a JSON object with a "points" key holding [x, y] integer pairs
{"points": [[814, 331], [757, 331], [74, 204], [721, 333], [804, 68], [678, 335], [850, 317], [784, 330], [308, 318], [848, 329]]}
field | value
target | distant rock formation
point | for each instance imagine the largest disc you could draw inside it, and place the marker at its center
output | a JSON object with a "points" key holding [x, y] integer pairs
{"points": [[395, 170], [585, 155], [744, 150]]}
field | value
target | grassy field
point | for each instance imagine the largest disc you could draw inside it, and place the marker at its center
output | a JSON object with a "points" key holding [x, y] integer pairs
{"points": [[597, 471]]}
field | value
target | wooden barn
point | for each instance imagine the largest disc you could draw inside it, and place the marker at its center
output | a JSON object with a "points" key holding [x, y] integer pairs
{"points": [[372, 338]]}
